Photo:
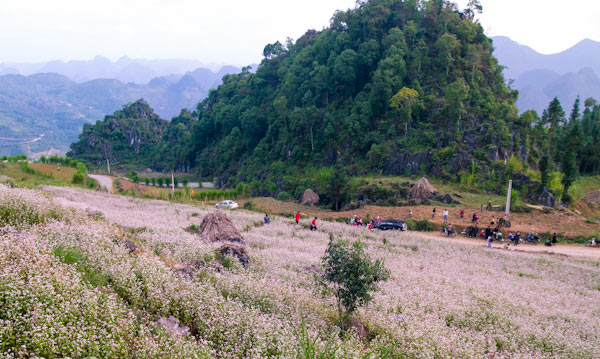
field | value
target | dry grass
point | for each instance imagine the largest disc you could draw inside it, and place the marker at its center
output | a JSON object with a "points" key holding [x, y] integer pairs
{"points": [[57, 172]]}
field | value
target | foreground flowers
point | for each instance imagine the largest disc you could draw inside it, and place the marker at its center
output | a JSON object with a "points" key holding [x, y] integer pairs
{"points": [[73, 289]]}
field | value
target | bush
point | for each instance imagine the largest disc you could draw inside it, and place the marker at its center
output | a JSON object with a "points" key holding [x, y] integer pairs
{"points": [[78, 177], [133, 176], [160, 181], [153, 180], [146, 181], [350, 274], [424, 226], [284, 196]]}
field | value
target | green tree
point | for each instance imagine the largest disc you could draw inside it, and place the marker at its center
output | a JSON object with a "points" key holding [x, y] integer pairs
{"points": [[575, 112], [403, 101], [543, 165], [337, 188], [350, 274], [553, 117], [454, 95]]}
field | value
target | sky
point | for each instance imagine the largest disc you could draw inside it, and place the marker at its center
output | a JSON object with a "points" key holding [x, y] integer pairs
{"points": [[236, 31]]}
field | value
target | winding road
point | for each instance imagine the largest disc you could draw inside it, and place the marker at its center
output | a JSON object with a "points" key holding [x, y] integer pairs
{"points": [[105, 181]]}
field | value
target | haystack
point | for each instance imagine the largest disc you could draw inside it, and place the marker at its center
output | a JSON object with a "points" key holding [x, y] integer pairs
{"points": [[310, 197], [216, 227], [422, 190]]}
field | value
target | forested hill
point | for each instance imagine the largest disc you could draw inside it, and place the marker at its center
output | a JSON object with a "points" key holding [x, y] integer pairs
{"points": [[391, 86]]}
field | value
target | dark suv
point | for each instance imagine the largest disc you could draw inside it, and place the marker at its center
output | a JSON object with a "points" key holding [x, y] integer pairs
{"points": [[392, 224]]}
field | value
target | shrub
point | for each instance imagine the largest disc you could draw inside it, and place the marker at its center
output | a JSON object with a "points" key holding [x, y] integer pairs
{"points": [[424, 226], [350, 274], [160, 182], [78, 177], [133, 176], [284, 196], [146, 181], [153, 180]]}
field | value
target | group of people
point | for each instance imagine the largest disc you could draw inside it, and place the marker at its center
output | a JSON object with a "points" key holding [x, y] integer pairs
{"points": [[313, 223], [356, 221]]}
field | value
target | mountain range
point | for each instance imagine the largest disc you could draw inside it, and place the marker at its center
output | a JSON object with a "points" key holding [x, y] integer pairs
{"points": [[539, 77], [46, 111], [140, 71]]}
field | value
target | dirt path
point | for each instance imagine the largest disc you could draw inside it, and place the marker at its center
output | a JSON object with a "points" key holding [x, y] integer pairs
{"points": [[565, 222], [557, 249], [105, 181]]}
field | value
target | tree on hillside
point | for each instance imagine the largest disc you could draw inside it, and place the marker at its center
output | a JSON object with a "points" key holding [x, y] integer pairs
{"points": [[553, 117], [337, 187], [543, 165], [454, 95], [575, 111], [403, 101]]}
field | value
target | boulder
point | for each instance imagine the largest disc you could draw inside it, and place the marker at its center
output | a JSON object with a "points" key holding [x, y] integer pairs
{"points": [[172, 326], [546, 198], [310, 197], [448, 199], [354, 324], [130, 246], [236, 251], [216, 227]]}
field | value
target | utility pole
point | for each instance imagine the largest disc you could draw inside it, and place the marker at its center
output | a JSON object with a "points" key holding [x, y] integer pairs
{"points": [[507, 212], [172, 183], [108, 165]]}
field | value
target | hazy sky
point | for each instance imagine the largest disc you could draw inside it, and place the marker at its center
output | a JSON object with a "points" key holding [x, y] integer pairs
{"points": [[236, 31]]}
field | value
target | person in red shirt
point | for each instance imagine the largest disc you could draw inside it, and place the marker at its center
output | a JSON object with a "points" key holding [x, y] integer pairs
{"points": [[313, 225], [298, 217]]}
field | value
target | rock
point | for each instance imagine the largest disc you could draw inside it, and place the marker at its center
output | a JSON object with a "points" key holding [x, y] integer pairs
{"points": [[354, 324], [448, 199], [236, 251], [172, 326], [546, 198], [313, 268], [216, 227], [520, 180], [130, 245], [310, 197], [402, 163]]}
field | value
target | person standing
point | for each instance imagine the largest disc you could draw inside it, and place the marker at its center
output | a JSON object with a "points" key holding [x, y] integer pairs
{"points": [[517, 238], [433, 213], [554, 238], [409, 214], [462, 214], [489, 242], [298, 217], [267, 219], [445, 213], [313, 225]]}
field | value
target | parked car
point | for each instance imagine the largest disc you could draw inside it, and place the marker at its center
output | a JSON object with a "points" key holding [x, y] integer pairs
{"points": [[227, 204], [392, 224]]}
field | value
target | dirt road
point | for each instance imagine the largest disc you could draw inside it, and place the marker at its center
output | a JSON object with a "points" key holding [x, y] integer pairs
{"points": [[105, 181], [557, 249]]}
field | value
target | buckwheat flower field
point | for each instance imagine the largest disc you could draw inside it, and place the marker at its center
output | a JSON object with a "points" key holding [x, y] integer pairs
{"points": [[71, 285]]}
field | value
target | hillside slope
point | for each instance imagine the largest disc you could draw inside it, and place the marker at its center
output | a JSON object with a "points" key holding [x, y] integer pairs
{"points": [[391, 86], [443, 299]]}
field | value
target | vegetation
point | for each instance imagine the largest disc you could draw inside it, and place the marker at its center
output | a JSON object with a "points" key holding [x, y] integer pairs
{"points": [[390, 88], [350, 274]]}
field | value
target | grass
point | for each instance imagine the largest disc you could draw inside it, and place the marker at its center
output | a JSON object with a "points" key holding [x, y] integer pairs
{"points": [[583, 186], [37, 174], [75, 257], [469, 197]]}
